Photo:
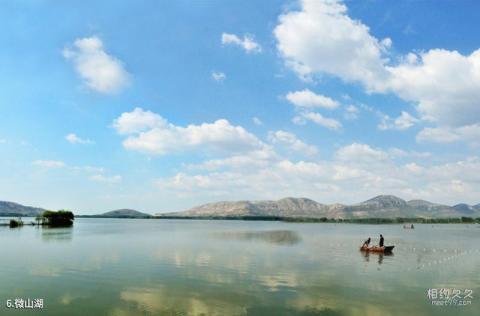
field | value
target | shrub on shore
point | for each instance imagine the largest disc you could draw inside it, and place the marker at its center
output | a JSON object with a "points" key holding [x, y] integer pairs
{"points": [[15, 223]]}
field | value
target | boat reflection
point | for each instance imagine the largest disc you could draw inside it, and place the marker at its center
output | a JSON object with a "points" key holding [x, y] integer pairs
{"points": [[380, 255]]}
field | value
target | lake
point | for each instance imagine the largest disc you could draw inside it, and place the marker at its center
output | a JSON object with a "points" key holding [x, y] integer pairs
{"points": [[186, 267]]}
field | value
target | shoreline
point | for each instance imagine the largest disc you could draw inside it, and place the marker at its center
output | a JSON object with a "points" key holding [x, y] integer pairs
{"points": [[406, 220], [371, 220]]}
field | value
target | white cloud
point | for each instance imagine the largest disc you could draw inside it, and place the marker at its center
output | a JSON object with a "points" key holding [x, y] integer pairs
{"points": [[279, 177], [400, 153], [444, 134], [318, 119], [74, 139], [414, 168], [321, 38], [356, 172], [137, 121], [361, 153], [260, 158], [437, 135], [106, 179], [291, 142], [150, 133], [445, 84], [257, 121], [49, 164], [403, 122], [247, 43], [3, 141], [101, 71], [345, 172], [309, 99], [351, 112], [218, 76], [466, 169]]}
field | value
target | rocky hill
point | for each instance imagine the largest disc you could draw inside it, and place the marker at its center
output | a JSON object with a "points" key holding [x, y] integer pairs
{"points": [[285, 207], [382, 206]]}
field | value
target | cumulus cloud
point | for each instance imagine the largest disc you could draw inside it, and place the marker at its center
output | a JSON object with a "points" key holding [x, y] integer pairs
{"points": [[403, 122], [444, 134], [317, 118], [308, 99], [260, 158], [279, 177], [148, 132], [218, 76], [100, 71], [414, 168], [290, 141], [361, 153], [445, 84], [74, 139], [137, 121], [247, 43], [49, 164], [356, 172], [320, 38]]}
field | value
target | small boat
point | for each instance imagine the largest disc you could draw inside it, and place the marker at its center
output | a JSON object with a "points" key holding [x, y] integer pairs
{"points": [[384, 249]]}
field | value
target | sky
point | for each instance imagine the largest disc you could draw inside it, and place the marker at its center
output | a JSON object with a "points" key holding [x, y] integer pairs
{"points": [[164, 105]]}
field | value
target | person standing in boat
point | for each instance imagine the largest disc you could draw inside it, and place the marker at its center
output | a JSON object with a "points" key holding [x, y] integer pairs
{"points": [[381, 241]]}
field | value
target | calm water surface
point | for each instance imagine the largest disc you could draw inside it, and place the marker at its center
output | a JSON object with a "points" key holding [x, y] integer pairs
{"points": [[181, 267]]}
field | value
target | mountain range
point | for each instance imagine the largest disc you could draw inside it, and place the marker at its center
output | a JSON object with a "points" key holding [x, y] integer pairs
{"points": [[382, 206]]}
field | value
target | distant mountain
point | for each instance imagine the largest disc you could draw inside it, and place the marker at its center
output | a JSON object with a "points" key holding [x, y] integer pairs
{"points": [[465, 209], [15, 209], [423, 204], [389, 206], [382, 206], [285, 207], [124, 213], [384, 201]]}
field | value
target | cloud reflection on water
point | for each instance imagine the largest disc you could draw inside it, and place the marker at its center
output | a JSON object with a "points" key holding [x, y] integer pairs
{"points": [[277, 237]]}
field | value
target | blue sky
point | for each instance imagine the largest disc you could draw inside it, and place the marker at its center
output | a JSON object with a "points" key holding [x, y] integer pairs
{"points": [[162, 105]]}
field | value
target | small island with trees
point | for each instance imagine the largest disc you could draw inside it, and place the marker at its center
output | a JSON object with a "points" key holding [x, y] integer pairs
{"points": [[61, 218]]}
